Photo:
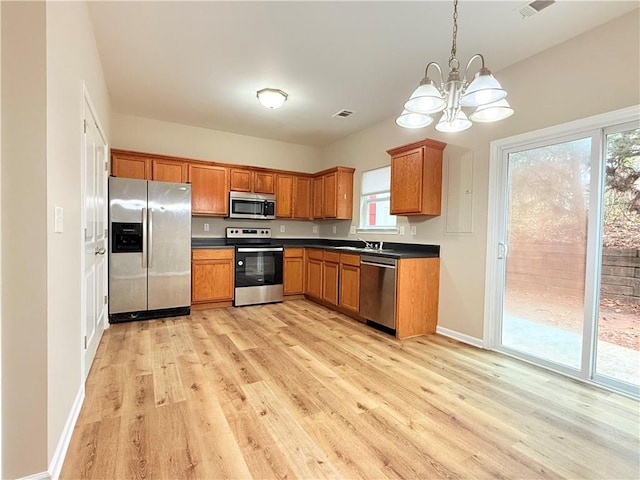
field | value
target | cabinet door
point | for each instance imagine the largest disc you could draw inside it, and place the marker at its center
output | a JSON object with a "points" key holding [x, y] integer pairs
{"points": [[293, 275], [318, 197], [209, 189], [302, 197], [284, 194], [169, 170], [264, 182], [313, 272], [330, 196], [406, 182], [330, 273], [241, 180], [350, 287], [130, 166], [212, 275]]}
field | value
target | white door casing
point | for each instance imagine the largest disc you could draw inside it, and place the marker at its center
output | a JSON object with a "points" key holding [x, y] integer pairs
{"points": [[94, 234]]}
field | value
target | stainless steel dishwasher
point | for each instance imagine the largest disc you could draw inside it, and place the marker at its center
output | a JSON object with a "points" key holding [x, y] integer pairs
{"points": [[378, 289]]}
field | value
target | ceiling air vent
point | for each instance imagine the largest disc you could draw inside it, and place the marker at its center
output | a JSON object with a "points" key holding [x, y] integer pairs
{"points": [[532, 8], [343, 113]]}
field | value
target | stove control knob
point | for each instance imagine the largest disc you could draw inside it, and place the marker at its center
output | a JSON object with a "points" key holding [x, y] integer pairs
{"points": [[240, 263]]}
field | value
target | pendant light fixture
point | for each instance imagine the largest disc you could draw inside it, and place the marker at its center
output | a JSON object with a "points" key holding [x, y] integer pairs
{"points": [[271, 97], [484, 93]]}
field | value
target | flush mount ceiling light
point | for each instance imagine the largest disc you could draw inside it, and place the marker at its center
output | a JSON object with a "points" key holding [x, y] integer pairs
{"points": [[483, 93], [271, 97]]}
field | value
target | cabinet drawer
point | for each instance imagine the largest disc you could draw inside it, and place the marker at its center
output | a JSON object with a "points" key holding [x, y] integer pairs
{"points": [[293, 252], [333, 257], [350, 259], [314, 254], [212, 254]]}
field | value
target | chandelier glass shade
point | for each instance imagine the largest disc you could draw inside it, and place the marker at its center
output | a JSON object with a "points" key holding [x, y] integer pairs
{"points": [[484, 93]]}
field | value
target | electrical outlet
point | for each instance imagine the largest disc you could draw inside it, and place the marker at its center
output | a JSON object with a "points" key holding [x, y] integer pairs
{"points": [[401, 229], [352, 230], [282, 228], [414, 230], [315, 229], [335, 229], [206, 227]]}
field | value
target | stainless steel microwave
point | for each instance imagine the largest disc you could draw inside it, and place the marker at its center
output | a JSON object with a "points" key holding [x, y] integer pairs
{"points": [[252, 205]]}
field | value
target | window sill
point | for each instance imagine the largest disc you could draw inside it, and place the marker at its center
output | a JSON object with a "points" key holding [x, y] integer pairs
{"points": [[379, 230]]}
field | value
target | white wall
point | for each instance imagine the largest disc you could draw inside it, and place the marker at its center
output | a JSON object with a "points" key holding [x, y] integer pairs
{"points": [[48, 49], [24, 240], [154, 136], [72, 57], [593, 73]]}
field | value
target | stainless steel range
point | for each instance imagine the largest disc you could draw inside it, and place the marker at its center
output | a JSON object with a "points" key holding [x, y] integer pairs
{"points": [[259, 263]]}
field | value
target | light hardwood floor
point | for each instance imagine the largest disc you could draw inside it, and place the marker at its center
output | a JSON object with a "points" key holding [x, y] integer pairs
{"points": [[294, 390]]}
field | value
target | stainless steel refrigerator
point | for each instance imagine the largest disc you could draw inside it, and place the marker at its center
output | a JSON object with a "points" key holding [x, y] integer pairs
{"points": [[149, 249]]}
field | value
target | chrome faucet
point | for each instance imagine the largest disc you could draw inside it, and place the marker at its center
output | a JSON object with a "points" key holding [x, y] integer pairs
{"points": [[366, 244]]}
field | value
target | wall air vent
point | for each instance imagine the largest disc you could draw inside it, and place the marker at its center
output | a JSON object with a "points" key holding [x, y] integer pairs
{"points": [[343, 113], [530, 9]]}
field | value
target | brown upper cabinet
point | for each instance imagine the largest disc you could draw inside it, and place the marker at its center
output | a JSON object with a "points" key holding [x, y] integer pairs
{"points": [[284, 194], [333, 194], [248, 180], [416, 178], [169, 170], [302, 197], [209, 189], [130, 165]]}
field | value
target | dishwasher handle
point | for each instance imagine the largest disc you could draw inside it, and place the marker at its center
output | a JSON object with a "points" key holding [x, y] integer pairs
{"points": [[382, 265]]}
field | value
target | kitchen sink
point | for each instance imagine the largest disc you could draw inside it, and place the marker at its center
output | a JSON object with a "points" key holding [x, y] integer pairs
{"points": [[348, 248]]}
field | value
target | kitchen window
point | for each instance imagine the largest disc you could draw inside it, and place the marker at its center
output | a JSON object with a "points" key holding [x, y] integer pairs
{"points": [[375, 200]]}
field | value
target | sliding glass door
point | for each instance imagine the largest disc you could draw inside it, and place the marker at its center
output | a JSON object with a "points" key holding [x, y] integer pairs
{"points": [[618, 323], [564, 253], [546, 247]]}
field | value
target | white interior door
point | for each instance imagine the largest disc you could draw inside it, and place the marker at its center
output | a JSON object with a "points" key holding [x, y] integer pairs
{"points": [[94, 172]]}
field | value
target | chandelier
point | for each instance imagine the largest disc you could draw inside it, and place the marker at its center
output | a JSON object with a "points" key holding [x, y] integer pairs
{"points": [[484, 93]]}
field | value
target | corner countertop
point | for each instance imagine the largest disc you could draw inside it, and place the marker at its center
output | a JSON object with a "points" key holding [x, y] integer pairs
{"points": [[390, 249]]}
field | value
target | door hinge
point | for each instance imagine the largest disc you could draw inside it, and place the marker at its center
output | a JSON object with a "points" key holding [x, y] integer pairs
{"points": [[106, 299], [85, 342], [106, 166], [85, 125], [106, 232]]}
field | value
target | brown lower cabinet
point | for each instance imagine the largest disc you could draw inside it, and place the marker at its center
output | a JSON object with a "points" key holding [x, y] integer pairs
{"points": [[293, 271], [330, 276], [212, 275], [313, 267], [333, 279], [350, 282]]}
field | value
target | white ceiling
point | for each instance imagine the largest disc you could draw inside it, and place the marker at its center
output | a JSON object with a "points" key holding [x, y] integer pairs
{"points": [[200, 63]]}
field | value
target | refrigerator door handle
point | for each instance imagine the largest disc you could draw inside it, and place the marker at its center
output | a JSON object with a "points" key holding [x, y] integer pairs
{"points": [[144, 238], [150, 237]]}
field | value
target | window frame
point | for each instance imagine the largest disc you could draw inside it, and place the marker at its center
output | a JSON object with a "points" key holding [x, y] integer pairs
{"points": [[364, 201]]}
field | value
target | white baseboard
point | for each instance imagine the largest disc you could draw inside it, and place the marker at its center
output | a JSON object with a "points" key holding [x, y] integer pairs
{"points": [[468, 339], [37, 476], [55, 466]]}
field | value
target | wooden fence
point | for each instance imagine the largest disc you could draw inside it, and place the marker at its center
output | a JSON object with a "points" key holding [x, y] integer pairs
{"points": [[560, 269]]}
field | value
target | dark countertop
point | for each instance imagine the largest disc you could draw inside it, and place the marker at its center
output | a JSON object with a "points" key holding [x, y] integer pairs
{"points": [[390, 249]]}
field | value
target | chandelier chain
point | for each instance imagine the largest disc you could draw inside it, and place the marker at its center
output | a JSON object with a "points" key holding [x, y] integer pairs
{"points": [[452, 58]]}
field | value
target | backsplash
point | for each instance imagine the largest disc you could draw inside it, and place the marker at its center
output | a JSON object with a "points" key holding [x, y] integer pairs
{"points": [[216, 225]]}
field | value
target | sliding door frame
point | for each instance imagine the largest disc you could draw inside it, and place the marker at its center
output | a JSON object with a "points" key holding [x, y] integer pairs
{"points": [[596, 128]]}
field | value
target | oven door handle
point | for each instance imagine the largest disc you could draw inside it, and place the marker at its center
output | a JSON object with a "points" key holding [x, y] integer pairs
{"points": [[259, 249]]}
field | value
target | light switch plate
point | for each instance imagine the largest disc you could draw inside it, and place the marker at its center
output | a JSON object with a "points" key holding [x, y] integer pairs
{"points": [[414, 230], [335, 229], [401, 229], [282, 229]]}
